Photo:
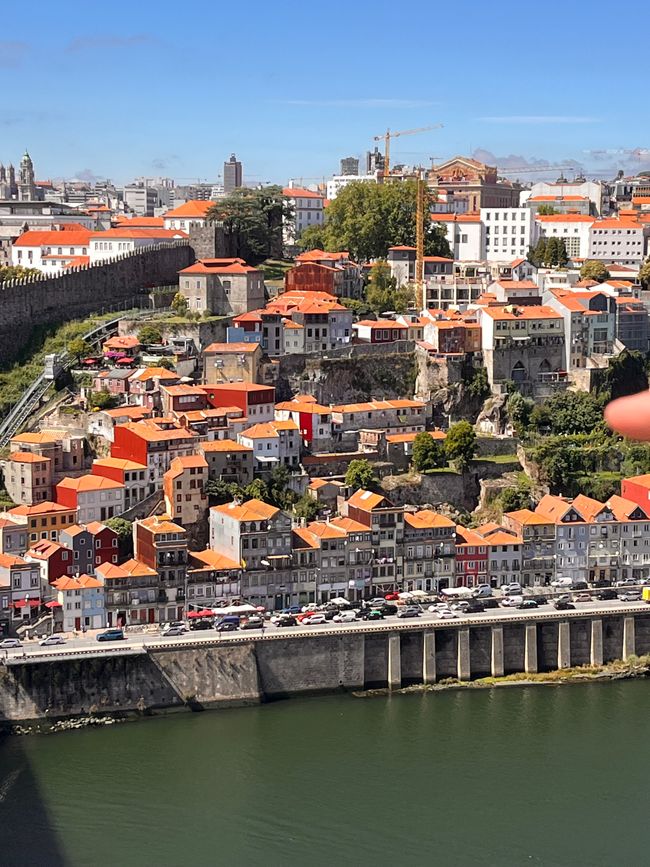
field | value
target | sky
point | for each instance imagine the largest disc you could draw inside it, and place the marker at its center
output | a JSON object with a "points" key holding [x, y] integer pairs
{"points": [[143, 88]]}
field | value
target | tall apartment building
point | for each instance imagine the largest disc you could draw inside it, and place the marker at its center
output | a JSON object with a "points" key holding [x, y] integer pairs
{"points": [[349, 166], [232, 174]]}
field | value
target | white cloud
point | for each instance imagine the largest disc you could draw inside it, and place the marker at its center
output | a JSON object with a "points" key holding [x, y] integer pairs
{"points": [[538, 119]]}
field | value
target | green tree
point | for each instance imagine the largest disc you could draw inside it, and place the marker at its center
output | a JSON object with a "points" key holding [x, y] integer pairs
{"points": [[552, 252], [574, 412], [102, 400], [546, 210], [279, 492], [562, 255], [167, 363], [221, 492], [537, 256], [380, 292], [593, 269], [366, 219], [257, 490], [306, 507], [312, 238], [626, 374], [360, 474], [644, 274], [428, 453], [17, 272], [149, 334], [512, 499], [460, 444], [124, 530], [179, 304], [479, 387], [252, 220], [519, 411], [79, 348]]}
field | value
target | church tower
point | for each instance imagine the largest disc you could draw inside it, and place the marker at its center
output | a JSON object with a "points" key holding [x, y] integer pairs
{"points": [[26, 184]]}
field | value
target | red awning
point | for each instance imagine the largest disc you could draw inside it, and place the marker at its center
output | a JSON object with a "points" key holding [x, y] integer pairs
{"points": [[204, 613], [53, 604], [22, 603]]}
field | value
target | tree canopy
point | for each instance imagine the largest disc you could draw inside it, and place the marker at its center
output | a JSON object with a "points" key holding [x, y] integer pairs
{"points": [[644, 274], [594, 269], [382, 293], [306, 508], [366, 219], [179, 304], [569, 412], [360, 474], [626, 374], [149, 334], [549, 253], [460, 444], [17, 272], [252, 221], [428, 454], [78, 347]]}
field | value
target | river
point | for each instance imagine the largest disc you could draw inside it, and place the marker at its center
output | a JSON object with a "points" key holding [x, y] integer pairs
{"points": [[533, 775]]}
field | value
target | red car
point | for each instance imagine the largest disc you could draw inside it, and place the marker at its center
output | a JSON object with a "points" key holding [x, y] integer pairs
{"points": [[391, 597]]}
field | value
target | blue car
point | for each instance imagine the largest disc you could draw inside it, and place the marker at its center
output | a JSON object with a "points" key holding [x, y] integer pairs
{"points": [[111, 635]]}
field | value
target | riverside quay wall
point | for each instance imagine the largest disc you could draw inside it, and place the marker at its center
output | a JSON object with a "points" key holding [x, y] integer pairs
{"points": [[203, 674]]}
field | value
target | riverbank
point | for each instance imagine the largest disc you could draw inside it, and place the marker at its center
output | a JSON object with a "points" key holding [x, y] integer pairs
{"points": [[631, 668], [635, 667]]}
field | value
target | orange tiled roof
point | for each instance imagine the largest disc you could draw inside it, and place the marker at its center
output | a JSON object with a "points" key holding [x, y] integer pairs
{"points": [[192, 208], [426, 519], [212, 560], [251, 510]]}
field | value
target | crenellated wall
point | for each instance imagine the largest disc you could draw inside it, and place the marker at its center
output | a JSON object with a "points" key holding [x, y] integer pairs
{"points": [[83, 290]]}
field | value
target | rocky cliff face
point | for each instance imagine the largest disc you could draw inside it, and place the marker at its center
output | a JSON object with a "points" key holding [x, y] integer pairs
{"points": [[347, 380]]}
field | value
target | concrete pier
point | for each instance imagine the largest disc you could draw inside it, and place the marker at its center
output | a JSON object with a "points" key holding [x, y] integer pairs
{"points": [[464, 668], [564, 645], [629, 643], [530, 649], [596, 656], [394, 662], [429, 657], [496, 657]]}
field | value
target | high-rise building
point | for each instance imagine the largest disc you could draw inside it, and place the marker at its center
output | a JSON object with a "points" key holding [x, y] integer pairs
{"points": [[232, 174], [374, 161], [349, 166]]}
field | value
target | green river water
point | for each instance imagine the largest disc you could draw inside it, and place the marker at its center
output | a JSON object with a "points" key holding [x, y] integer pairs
{"points": [[534, 775]]}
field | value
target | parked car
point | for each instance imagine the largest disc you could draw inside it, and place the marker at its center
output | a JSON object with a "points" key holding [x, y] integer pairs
{"points": [[345, 617], [511, 601], [172, 631], [391, 597], [201, 623], [292, 609], [562, 582], [112, 635], [227, 626], [527, 604], [582, 597], [388, 608], [461, 605], [490, 602], [228, 620], [252, 622], [373, 614], [409, 611], [482, 590], [475, 606], [377, 602], [286, 620], [446, 614], [51, 640], [316, 619], [606, 594], [630, 596], [581, 585], [8, 643], [512, 589], [563, 605]]}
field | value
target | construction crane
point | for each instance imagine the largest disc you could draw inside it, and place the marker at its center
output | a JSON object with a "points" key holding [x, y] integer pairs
{"points": [[388, 135], [420, 205]]}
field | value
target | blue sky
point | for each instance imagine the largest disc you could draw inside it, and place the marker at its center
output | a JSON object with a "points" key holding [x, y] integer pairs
{"points": [[172, 88]]}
